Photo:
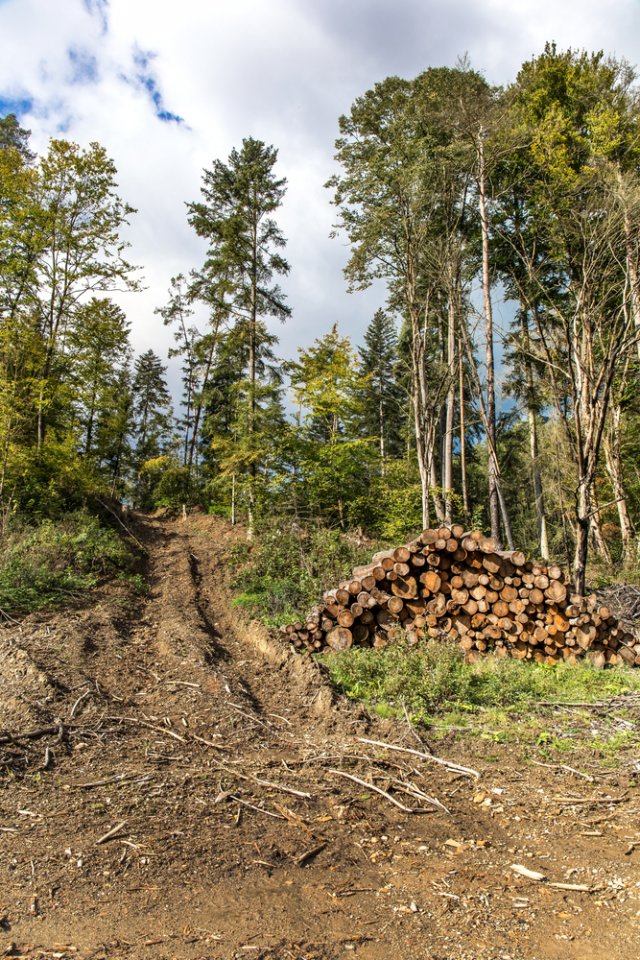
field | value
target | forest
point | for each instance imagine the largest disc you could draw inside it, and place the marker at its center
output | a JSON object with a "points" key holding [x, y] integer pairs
{"points": [[457, 199]]}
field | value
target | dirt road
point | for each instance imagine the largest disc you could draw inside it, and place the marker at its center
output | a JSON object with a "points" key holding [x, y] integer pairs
{"points": [[189, 800]]}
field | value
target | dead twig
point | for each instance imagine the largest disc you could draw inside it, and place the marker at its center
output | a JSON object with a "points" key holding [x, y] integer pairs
{"points": [[246, 715], [148, 726], [563, 766], [119, 778], [370, 786], [412, 730], [413, 791], [569, 801], [82, 697], [208, 743], [59, 728], [453, 767], [252, 806], [110, 834], [310, 854]]}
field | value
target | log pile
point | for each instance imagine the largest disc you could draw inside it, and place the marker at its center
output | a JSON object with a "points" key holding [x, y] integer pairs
{"points": [[457, 586]]}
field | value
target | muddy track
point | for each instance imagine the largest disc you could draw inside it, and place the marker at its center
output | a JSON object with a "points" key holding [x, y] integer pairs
{"points": [[209, 761]]}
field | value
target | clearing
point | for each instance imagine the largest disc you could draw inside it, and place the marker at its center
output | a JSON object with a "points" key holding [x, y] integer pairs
{"points": [[183, 796]]}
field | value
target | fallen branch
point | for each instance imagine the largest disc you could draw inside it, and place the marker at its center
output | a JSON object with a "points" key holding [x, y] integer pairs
{"points": [[110, 834], [119, 778], [33, 734], [563, 766], [149, 726], [414, 791], [252, 806], [123, 525], [453, 767], [310, 854], [370, 786]]}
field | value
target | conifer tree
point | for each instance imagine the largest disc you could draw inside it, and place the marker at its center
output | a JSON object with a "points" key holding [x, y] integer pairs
{"points": [[237, 280], [383, 398], [151, 407]]}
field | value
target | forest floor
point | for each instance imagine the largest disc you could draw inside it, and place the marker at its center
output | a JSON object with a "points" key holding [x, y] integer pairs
{"points": [[189, 800]]}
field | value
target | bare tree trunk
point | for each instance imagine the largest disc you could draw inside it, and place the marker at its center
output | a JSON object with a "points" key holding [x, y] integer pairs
{"points": [[582, 539], [631, 261], [447, 440], [423, 468], [532, 415], [233, 500], [613, 460], [494, 502], [252, 380], [537, 483], [596, 529], [463, 445], [438, 500], [197, 413]]}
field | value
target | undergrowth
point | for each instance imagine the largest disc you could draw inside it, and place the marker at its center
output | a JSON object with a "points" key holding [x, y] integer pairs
{"points": [[434, 679], [285, 571], [57, 561]]}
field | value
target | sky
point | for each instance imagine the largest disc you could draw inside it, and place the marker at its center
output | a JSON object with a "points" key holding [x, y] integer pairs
{"points": [[167, 88]]}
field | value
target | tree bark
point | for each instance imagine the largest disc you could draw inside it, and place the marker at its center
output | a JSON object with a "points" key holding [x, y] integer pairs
{"points": [[613, 460], [463, 445], [532, 416], [494, 503], [447, 440]]}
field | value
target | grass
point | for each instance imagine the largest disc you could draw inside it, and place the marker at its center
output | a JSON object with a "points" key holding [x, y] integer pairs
{"points": [[496, 700], [56, 561]]}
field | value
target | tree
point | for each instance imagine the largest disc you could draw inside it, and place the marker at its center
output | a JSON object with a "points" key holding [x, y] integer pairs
{"points": [[575, 110], [383, 398], [151, 415], [243, 258], [98, 347], [14, 136], [385, 202], [327, 386], [198, 351], [80, 250], [60, 223]]}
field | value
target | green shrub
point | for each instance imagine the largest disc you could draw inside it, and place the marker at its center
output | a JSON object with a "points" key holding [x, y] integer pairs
{"points": [[288, 567], [435, 676], [50, 563]]}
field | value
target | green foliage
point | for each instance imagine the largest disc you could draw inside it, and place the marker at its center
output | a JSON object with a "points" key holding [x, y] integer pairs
{"points": [[54, 562], [391, 506], [331, 458], [287, 569], [237, 282], [430, 679], [51, 483], [63, 349], [383, 401]]}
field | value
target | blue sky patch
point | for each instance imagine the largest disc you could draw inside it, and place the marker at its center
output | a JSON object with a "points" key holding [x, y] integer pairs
{"points": [[145, 80], [18, 105], [84, 66], [99, 9]]}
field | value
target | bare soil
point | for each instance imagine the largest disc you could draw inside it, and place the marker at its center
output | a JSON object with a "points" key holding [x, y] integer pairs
{"points": [[183, 801]]}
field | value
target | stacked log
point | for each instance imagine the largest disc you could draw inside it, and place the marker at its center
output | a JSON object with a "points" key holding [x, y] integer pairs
{"points": [[454, 585]]}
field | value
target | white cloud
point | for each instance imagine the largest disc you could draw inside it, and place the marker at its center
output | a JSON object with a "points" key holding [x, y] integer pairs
{"points": [[283, 71]]}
